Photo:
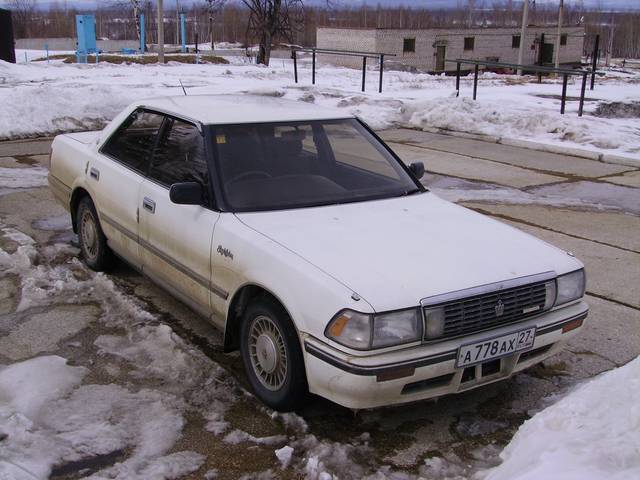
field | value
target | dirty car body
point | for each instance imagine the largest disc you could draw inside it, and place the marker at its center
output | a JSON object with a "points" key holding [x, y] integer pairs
{"points": [[300, 234]]}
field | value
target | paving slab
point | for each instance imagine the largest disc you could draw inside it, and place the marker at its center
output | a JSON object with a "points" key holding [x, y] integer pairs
{"points": [[616, 229], [611, 332], [611, 272], [25, 147], [629, 179], [472, 168], [523, 157]]}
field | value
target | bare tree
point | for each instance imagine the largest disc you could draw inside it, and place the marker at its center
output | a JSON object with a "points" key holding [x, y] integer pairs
{"points": [[213, 7], [137, 7], [23, 10], [269, 19]]}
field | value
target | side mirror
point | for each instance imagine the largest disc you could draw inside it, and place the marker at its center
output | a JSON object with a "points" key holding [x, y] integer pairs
{"points": [[186, 193], [417, 168]]}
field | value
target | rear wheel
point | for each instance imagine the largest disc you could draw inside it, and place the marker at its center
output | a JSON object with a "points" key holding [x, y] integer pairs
{"points": [[93, 244], [272, 355]]}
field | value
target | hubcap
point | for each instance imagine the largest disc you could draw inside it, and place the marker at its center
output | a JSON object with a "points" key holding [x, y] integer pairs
{"points": [[267, 353], [89, 235]]}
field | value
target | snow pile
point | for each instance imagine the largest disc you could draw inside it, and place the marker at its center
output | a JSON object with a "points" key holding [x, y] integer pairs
{"points": [[51, 419], [36, 101], [591, 434]]}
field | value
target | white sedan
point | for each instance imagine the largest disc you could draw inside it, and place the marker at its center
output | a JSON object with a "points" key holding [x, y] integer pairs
{"points": [[321, 256]]}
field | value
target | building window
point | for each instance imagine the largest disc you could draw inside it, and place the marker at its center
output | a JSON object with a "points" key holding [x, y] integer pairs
{"points": [[469, 43], [563, 39], [409, 45], [515, 41]]}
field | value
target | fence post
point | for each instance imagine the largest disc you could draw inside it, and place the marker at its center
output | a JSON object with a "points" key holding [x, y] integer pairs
{"points": [[564, 93], [46, 47], [584, 86], [457, 79], [594, 65], [540, 56], [183, 33], [295, 65], [142, 33], [475, 81], [364, 71], [381, 71], [313, 66]]}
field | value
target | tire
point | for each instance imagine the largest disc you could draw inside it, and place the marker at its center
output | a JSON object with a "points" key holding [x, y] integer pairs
{"points": [[269, 341], [93, 244]]}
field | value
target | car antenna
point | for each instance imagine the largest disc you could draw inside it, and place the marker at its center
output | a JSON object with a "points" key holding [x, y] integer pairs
{"points": [[185, 92]]}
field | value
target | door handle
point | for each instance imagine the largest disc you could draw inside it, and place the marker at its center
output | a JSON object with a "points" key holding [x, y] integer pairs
{"points": [[95, 173], [149, 205]]}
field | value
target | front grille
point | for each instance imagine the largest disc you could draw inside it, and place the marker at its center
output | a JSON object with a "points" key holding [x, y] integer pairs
{"points": [[476, 313]]}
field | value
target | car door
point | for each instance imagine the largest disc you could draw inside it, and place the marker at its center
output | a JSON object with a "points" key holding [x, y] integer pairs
{"points": [[117, 173], [176, 239]]}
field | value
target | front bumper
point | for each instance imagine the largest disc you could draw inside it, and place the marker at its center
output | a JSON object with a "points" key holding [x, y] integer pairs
{"points": [[429, 371]]}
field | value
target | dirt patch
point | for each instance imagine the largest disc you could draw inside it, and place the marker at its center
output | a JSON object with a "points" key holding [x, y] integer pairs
{"points": [[141, 59], [617, 110]]}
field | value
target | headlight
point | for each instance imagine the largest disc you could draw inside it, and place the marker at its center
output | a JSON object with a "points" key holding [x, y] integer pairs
{"points": [[363, 331], [570, 287], [434, 321], [396, 328]]}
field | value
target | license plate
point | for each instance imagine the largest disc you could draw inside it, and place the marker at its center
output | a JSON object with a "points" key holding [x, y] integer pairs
{"points": [[504, 345]]}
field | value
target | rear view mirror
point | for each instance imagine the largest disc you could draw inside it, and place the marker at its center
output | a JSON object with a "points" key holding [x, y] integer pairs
{"points": [[186, 193], [417, 168]]}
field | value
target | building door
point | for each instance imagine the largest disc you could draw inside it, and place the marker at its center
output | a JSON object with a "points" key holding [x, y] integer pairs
{"points": [[441, 51], [547, 53]]}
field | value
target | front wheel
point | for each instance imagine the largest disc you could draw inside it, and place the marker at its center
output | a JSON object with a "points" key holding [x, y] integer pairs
{"points": [[93, 244], [272, 356]]}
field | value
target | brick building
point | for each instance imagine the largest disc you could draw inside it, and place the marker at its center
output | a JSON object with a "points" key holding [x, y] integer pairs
{"points": [[426, 49]]}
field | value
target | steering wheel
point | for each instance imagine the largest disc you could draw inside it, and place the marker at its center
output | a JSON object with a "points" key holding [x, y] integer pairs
{"points": [[249, 174]]}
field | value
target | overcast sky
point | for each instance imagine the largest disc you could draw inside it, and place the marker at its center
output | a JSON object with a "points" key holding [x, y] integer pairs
{"points": [[616, 4]]}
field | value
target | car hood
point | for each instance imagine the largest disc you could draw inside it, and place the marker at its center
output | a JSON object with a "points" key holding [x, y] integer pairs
{"points": [[395, 252]]}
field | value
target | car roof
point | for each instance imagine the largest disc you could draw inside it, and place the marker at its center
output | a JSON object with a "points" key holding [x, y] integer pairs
{"points": [[247, 108]]}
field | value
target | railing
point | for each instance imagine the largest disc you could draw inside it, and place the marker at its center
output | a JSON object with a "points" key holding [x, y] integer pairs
{"points": [[565, 72], [346, 53]]}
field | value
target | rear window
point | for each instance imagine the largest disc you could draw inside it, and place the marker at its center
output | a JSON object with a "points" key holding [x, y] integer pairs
{"points": [[133, 142]]}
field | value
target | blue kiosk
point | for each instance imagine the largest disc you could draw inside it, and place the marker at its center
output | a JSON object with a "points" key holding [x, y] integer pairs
{"points": [[86, 37]]}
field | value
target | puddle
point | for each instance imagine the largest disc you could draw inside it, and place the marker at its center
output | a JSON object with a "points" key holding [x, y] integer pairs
{"points": [[584, 195], [58, 223], [86, 466]]}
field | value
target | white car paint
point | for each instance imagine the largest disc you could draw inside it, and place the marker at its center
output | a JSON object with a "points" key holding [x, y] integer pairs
{"points": [[369, 256]]}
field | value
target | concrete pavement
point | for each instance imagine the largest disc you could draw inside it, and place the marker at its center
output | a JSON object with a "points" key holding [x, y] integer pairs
{"points": [[576, 204]]}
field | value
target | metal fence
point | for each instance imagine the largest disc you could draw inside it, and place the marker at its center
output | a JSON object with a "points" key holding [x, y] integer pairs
{"points": [[347, 53], [565, 72]]}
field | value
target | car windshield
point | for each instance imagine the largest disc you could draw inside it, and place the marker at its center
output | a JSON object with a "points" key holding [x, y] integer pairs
{"points": [[298, 164]]}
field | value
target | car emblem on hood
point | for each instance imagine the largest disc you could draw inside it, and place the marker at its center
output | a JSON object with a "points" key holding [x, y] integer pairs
{"points": [[499, 308]]}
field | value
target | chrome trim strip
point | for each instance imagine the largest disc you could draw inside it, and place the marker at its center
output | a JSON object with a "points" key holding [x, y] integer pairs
{"points": [[163, 256], [377, 369], [120, 228], [488, 288]]}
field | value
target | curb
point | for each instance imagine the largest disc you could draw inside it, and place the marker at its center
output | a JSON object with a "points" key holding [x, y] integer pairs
{"points": [[542, 147]]}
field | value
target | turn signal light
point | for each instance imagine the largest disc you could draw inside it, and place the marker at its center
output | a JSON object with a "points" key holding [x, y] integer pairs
{"points": [[572, 325]]}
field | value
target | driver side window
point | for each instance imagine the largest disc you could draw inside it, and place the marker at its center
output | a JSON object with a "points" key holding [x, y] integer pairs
{"points": [[179, 155]]}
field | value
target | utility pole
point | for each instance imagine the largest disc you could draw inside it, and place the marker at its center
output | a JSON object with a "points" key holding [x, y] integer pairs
{"points": [[612, 29], [160, 32], [177, 22], [523, 33], [559, 34]]}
